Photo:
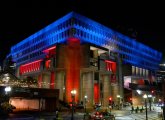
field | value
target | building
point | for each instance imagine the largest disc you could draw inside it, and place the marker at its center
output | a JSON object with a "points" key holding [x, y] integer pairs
{"points": [[161, 81], [77, 53]]}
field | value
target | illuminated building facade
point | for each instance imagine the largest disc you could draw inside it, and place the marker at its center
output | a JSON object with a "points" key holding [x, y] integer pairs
{"points": [[77, 53]]}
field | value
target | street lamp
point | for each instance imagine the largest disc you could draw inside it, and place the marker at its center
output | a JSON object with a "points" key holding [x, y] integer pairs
{"points": [[150, 96], [118, 97], [7, 89], [164, 109], [73, 93], [145, 97], [85, 97]]}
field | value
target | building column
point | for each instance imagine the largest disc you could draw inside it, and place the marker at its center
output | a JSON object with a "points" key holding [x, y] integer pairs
{"points": [[88, 87], [60, 84], [52, 80], [46, 80], [106, 89], [120, 80], [40, 80]]}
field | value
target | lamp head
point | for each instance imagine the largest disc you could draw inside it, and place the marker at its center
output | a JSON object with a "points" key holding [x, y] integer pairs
{"points": [[144, 96]]}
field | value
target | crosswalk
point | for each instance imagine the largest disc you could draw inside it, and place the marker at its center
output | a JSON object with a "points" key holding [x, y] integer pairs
{"points": [[140, 116]]}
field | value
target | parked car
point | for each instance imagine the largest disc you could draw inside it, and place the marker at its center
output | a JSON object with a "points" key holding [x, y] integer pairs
{"points": [[97, 105], [79, 106], [97, 116], [159, 104], [108, 116], [126, 104]]}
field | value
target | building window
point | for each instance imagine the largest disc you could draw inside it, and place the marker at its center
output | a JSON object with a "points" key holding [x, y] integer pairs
{"points": [[133, 70]]}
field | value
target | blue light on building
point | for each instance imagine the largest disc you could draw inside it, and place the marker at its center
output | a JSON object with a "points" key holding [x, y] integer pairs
{"points": [[88, 31]]}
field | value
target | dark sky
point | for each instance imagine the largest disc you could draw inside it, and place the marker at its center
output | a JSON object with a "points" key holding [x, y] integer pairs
{"points": [[143, 21]]}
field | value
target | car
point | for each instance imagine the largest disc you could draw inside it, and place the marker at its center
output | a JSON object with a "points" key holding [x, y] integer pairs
{"points": [[108, 116], [126, 104], [159, 104], [97, 105], [97, 116], [79, 106]]}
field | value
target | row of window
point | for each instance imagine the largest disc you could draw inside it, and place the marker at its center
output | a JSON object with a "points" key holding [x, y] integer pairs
{"points": [[42, 44], [137, 53], [132, 44], [144, 59], [126, 41], [139, 60], [27, 57], [139, 71], [90, 37], [53, 29], [29, 50], [129, 47], [93, 27]]}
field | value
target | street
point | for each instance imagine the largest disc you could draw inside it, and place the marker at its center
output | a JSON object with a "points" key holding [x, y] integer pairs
{"points": [[124, 114]]}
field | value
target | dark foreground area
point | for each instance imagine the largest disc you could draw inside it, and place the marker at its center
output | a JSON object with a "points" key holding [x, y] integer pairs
{"points": [[29, 115]]}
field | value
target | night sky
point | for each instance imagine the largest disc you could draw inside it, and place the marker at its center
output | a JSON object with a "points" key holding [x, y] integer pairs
{"points": [[142, 21]]}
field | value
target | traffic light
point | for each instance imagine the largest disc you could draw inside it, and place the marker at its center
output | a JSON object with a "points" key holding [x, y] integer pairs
{"points": [[152, 91], [110, 100]]}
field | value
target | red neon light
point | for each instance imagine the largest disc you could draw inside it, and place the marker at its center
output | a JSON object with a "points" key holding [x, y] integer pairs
{"points": [[73, 40], [47, 64], [32, 62], [96, 92], [49, 49], [29, 67], [111, 66], [108, 61]]}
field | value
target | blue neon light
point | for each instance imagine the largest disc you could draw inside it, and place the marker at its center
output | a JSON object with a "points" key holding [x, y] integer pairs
{"points": [[87, 31]]}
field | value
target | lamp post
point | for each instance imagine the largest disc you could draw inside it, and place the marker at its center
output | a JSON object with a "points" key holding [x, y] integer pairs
{"points": [[85, 97], [145, 97], [164, 109], [150, 96], [73, 93], [7, 89], [118, 100]]}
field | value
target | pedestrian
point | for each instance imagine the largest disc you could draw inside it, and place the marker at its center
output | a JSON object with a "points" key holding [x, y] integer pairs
{"points": [[56, 114]]}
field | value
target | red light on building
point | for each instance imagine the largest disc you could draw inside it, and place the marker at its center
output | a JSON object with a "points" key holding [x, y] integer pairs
{"points": [[96, 92], [49, 49], [50, 52], [30, 67], [47, 63]]}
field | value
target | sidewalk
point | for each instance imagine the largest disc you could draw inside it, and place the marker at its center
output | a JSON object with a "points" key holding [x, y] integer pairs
{"points": [[126, 114], [119, 113]]}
